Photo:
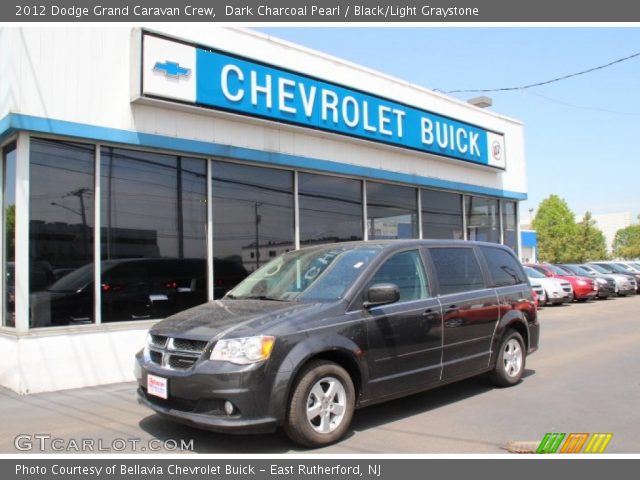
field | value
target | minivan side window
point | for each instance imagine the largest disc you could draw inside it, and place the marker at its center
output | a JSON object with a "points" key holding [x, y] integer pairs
{"points": [[457, 269], [503, 267], [407, 272]]}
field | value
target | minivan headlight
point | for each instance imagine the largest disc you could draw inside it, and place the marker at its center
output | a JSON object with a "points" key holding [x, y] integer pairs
{"points": [[243, 351]]}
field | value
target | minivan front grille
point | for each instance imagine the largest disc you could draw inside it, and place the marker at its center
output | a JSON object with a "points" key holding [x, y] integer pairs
{"points": [[181, 362], [175, 353], [187, 345], [158, 340], [156, 357]]}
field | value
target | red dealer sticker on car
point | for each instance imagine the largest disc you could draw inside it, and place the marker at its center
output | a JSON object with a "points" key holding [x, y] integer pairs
{"points": [[157, 386]]}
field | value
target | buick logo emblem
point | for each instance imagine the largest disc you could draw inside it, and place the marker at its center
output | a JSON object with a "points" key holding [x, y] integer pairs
{"points": [[496, 150]]}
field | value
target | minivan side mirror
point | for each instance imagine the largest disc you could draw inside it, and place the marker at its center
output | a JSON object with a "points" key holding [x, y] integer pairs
{"points": [[381, 294], [548, 274]]}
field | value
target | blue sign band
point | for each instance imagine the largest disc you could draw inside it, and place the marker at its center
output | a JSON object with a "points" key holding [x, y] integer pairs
{"points": [[241, 86]]}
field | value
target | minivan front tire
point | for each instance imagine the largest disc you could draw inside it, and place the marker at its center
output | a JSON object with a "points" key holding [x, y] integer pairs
{"points": [[321, 404], [511, 360]]}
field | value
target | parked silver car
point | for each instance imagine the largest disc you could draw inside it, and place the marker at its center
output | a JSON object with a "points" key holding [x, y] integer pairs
{"points": [[625, 284], [616, 267]]}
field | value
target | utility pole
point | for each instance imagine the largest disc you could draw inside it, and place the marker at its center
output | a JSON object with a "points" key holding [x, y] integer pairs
{"points": [[80, 193], [257, 220]]}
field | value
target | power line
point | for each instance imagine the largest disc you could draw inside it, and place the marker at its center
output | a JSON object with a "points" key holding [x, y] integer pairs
{"points": [[581, 107], [546, 82]]}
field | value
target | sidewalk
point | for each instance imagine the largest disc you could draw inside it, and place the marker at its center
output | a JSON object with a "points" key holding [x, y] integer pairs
{"points": [[109, 418]]}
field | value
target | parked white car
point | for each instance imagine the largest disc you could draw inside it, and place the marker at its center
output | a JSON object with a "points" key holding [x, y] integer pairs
{"points": [[539, 289], [556, 290]]}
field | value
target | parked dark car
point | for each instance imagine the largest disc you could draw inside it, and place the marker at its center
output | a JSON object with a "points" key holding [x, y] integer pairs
{"points": [[319, 332], [132, 289], [606, 283]]}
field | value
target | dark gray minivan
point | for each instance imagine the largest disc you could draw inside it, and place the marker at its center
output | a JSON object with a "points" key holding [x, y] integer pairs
{"points": [[319, 332]]}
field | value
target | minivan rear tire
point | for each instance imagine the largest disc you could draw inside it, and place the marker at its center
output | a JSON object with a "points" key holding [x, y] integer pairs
{"points": [[326, 388], [511, 360]]}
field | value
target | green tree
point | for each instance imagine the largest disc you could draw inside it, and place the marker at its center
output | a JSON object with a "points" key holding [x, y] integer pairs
{"points": [[10, 219], [556, 229], [626, 243], [590, 241]]}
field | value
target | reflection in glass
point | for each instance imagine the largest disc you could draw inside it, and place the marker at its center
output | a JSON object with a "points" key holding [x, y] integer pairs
{"points": [[483, 220], [320, 273], [441, 215], [153, 215], [252, 220], [60, 230], [9, 219], [330, 209], [392, 211], [509, 223]]}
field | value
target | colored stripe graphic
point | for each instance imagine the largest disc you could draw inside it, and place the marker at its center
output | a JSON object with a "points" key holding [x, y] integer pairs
{"points": [[574, 443], [550, 443], [598, 443]]}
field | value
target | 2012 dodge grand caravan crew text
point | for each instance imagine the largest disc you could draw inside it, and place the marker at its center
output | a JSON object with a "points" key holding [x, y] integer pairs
{"points": [[321, 331]]}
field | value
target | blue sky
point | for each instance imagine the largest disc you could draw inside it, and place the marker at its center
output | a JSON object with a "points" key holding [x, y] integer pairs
{"points": [[582, 135]]}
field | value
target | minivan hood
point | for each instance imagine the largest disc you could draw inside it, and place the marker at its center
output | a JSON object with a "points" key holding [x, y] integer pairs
{"points": [[219, 317]]}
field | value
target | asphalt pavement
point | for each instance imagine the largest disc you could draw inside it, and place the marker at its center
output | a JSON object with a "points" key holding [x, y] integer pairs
{"points": [[584, 378]]}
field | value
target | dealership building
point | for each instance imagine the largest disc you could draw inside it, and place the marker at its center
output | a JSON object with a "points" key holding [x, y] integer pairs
{"points": [[147, 171]]}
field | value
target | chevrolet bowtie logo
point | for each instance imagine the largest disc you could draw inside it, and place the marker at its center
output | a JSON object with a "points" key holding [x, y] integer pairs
{"points": [[172, 69]]}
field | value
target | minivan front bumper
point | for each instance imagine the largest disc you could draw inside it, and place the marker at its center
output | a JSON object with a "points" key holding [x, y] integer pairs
{"points": [[196, 397]]}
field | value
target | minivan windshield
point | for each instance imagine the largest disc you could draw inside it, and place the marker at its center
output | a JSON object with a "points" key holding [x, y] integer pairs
{"points": [[313, 274]]}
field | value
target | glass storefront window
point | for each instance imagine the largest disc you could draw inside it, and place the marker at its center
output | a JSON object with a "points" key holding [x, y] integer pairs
{"points": [[509, 224], [60, 232], [9, 220], [153, 223], [153, 240], [392, 211], [252, 220], [330, 209], [483, 219], [441, 215]]}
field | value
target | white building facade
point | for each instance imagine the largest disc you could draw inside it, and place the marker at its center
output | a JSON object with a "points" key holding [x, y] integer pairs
{"points": [[145, 172], [610, 223]]}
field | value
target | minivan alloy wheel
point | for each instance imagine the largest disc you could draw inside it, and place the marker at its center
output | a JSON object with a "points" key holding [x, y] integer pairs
{"points": [[511, 360], [326, 405], [512, 357], [321, 404]]}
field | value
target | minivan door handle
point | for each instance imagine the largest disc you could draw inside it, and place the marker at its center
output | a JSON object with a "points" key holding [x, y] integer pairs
{"points": [[451, 308]]}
